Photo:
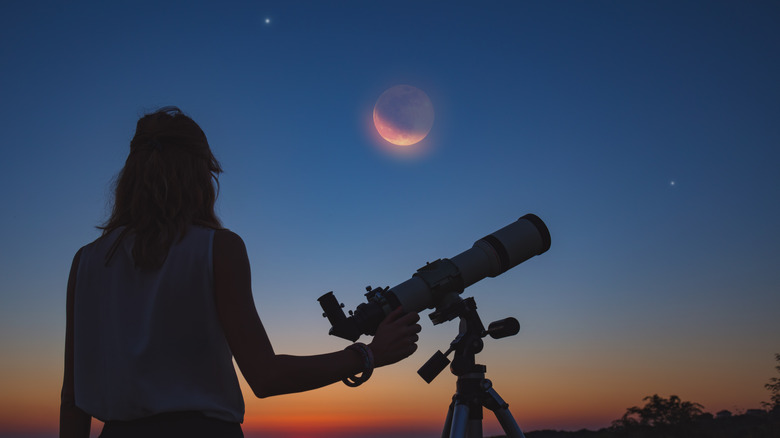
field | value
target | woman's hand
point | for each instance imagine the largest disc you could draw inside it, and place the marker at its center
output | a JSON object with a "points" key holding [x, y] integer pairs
{"points": [[396, 337]]}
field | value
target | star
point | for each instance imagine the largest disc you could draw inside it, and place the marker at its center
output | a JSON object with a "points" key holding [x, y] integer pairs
{"points": [[267, 21], [672, 183]]}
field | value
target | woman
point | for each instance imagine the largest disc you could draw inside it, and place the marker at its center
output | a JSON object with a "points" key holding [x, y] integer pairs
{"points": [[161, 303]]}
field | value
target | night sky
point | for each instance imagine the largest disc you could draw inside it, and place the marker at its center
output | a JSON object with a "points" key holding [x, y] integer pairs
{"points": [[645, 134]]}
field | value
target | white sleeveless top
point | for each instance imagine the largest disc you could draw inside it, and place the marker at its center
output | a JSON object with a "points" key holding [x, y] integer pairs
{"points": [[149, 341]]}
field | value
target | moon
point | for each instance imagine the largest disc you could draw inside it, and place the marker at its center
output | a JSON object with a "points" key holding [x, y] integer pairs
{"points": [[403, 115]]}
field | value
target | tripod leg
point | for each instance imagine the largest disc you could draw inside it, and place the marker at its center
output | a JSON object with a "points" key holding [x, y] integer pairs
{"points": [[499, 407], [460, 420], [445, 433], [475, 428], [508, 423]]}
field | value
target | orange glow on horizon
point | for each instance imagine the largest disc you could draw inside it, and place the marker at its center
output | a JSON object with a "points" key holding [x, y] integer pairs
{"points": [[324, 424], [544, 391]]}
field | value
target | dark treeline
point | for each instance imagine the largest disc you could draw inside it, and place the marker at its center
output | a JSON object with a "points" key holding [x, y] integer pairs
{"points": [[673, 418], [765, 424]]}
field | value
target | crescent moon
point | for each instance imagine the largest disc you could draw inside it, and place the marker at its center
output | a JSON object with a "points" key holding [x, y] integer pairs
{"points": [[403, 115]]}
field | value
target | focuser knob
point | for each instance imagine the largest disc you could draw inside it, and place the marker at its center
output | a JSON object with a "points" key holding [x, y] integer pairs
{"points": [[503, 328]]}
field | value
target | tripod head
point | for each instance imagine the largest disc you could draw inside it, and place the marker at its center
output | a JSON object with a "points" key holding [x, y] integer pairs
{"points": [[469, 340]]}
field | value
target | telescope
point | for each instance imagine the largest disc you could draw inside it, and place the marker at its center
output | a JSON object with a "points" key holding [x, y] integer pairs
{"points": [[438, 284]]}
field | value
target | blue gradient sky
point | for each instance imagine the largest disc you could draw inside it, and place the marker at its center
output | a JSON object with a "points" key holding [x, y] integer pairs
{"points": [[645, 134]]}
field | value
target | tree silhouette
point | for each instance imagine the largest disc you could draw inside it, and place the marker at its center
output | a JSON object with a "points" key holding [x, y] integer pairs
{"points": [[660, 415], [774, 387], [674, 418]]}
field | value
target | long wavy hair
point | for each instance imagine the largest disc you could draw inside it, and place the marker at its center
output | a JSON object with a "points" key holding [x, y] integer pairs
{"points": [[167, 184]]}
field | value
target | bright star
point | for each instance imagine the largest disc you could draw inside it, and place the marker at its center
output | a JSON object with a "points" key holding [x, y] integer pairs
{"points": [[267, 21]]}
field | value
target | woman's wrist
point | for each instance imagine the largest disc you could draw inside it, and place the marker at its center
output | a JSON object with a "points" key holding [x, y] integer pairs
{"points": [[367, 360]]}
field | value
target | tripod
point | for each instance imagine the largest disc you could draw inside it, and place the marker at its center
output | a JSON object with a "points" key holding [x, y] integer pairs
{"points": [[473, 390]]}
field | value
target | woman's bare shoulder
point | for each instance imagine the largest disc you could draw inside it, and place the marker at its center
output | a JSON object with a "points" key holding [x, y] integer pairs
{"points": [[228, 243]]}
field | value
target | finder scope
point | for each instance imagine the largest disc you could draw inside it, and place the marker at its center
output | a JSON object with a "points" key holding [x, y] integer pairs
{"points": [[438, 283]]}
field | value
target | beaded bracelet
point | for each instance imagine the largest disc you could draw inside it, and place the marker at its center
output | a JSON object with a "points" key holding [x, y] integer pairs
{"points": [[368, 364]]}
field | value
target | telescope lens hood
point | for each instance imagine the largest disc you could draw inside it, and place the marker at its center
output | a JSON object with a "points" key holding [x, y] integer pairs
{"points": [[543, 231]]}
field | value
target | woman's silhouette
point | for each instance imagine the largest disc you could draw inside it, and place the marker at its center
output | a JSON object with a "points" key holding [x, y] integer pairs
{"points": [[161, 303]]}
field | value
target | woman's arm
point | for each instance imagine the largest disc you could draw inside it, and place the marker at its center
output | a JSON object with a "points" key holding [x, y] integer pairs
{"points": [[74, 423], [269, 373]]}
